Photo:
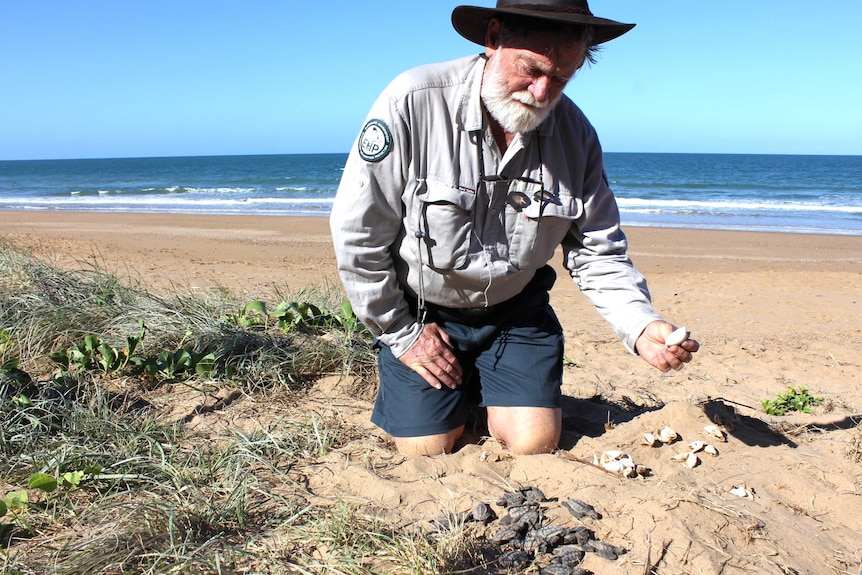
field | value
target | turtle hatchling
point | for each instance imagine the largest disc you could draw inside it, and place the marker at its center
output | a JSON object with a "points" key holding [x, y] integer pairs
{"points": [[579, 509], [448, 521], [511, 499], [513, 559], [543, 539], [483, 513], [508, 533], [533, 495], [561, 569], [569, 554], [529, 515], [580, 535], [605, 550], [553, 534], [535, 544]]}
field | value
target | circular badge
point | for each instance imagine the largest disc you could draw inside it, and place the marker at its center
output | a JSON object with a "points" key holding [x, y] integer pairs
{"points": [[375, 141]]}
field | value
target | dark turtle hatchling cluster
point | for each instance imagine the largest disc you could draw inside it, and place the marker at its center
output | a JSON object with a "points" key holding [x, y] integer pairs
{"points": [[523, 536]]}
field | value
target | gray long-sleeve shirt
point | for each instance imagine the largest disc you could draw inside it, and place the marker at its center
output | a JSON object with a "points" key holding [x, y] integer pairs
{"points": [[410, 202]]}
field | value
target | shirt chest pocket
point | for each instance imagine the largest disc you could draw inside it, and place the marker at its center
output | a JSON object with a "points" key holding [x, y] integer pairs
{"points": [[540, 227], [445, 224]]}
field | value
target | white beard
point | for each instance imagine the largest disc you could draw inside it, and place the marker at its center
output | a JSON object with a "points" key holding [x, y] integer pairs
{"points": [[514, 111]]}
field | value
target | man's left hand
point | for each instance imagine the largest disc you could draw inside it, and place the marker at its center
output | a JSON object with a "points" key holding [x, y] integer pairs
{"points": [[651, 347]]}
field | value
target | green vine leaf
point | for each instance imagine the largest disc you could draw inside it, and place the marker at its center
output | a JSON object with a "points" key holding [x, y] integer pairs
{"points": [[43, 482]]}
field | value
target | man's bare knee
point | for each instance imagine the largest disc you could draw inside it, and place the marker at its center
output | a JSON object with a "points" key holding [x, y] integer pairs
{"points": [[531, 444], [428, 444], [526, 430]]}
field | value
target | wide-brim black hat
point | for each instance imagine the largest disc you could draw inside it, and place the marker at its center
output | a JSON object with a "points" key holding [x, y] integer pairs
{"points": [[472, 21]]}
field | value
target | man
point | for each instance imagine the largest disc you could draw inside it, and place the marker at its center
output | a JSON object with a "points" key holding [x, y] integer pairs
{"points": [[464, 180]]}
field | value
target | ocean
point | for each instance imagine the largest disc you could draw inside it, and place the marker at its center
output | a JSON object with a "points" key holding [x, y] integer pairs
{"points": [[775, 193]]}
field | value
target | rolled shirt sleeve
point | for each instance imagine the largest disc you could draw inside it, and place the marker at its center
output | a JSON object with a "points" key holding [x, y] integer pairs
{"points": [[595, 255], [366, 224]]}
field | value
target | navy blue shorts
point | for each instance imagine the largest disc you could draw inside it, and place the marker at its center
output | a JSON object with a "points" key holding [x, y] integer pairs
{"points": [[511, 356]]}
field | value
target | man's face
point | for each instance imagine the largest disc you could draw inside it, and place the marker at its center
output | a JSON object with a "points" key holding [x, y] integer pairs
{"points": [[522, 83]]}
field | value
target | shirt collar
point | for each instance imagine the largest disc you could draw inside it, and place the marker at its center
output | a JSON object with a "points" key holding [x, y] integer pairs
{"points": [[470, 110]]}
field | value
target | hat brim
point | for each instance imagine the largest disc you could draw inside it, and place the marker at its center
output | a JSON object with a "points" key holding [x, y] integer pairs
{"points": [[472, 22]]}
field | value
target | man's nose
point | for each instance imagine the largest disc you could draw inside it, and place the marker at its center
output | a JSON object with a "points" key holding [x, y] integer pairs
{"points": [[540, 88]]}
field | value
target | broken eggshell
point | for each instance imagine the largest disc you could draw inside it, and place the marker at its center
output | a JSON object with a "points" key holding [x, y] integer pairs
{"points": [[696, 445], [650, 439], [742, 490], [715, 432], [667, 435], [618, 462], [691, 460]]}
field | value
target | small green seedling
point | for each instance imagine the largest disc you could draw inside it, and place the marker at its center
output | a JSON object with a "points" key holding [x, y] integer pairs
{"points": [[300, 314], [13, 502], [252, 315], [792, 400], [347, 319]]}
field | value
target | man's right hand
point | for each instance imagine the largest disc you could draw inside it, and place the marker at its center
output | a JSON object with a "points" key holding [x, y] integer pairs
{"points": [[433, 357]]}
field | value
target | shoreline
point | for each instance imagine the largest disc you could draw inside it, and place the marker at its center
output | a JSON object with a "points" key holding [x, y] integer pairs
{"points": [[727, 249], [851, 233]]}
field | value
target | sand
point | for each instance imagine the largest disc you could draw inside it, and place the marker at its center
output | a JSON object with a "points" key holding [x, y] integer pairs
{"points": [[770, 311]]}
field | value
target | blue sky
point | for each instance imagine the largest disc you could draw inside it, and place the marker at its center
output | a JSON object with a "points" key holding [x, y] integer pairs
{"points": [[128, 78]]}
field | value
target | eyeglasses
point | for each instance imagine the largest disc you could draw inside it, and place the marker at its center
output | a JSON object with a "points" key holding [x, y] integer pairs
{"points": [[520, 189]]}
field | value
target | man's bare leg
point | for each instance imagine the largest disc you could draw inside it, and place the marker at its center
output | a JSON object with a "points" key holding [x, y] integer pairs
{"points": [[428, 444], [526, 430]]}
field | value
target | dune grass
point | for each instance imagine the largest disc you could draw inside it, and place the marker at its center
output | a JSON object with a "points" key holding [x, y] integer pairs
{"points": [[92, 480]]}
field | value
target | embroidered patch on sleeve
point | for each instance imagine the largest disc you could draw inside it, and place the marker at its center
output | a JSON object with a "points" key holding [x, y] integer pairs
{"points": [[375, 141]]}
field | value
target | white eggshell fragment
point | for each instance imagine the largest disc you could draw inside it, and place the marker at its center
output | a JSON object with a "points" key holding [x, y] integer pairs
{"points": [[742, 491], [696, 446], [690, 459], [715, 432], [667, 435], [650, 439], [618, 462], [677, 336]]}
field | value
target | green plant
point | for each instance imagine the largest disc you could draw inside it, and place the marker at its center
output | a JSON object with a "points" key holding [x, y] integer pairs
{"points": [[347, 320], [14, 504], [172, 364], [296, 314], [299, 314], [67, 479], [94, 353], [253, 314], [791, 400], [6, 341]]}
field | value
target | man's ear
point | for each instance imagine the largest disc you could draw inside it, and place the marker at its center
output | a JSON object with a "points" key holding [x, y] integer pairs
{"points": [[492, 36]]}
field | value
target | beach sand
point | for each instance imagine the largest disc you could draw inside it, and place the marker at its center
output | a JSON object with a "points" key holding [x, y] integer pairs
{"points": [[770, 311]]}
